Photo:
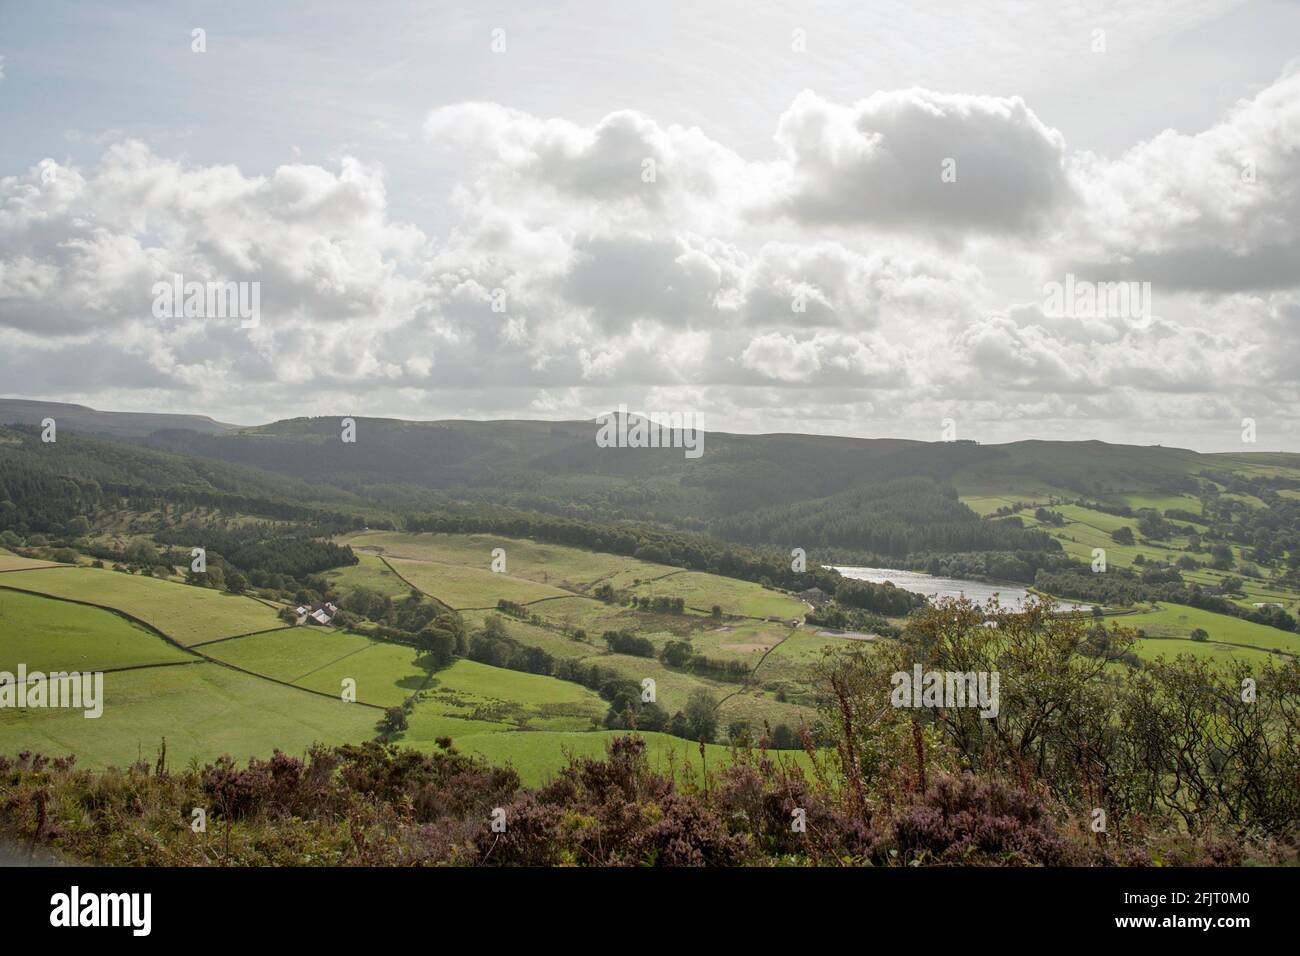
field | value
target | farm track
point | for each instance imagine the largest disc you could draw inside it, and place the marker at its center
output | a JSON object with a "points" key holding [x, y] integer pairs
{"points": [[749, 680], [745, 685]]}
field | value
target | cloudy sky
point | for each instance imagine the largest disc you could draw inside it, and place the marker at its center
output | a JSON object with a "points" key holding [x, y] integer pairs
{"points": [[839, 217]]}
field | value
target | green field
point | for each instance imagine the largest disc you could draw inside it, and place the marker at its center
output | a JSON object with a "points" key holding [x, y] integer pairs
{"points": [[1159, 502], [441, 566], [555, 644], [369, 572], [203, 710], [48, 634], [454, 568], [703, 591], [596, 617], [187, 614], [15, 562], [462, 587], [1086, 529], [383, 674], [574, 569], [1154, 648], [1177, 620], [320, 659], [536, 756], [476, 691], [744, 641]]}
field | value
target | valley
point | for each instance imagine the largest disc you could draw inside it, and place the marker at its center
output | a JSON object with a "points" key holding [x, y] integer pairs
{"points": [[531, 639]]}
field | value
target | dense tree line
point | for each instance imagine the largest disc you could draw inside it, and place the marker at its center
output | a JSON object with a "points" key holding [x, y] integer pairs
{"points": [[682, 656], [893, 519], [625, 642], [263, 547], [880, 598], [36, 500], [1121, 586], [840, 618], [1018, 566]]}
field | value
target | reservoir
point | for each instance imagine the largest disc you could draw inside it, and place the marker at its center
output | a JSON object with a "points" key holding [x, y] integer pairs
{"points": [[1010, 595]]}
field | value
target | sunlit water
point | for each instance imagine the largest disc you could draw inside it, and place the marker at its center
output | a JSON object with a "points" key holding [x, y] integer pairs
{"points": [[915, 581]]}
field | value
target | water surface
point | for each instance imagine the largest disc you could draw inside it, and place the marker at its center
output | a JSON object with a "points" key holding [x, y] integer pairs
{"points": [[1011, 595]]}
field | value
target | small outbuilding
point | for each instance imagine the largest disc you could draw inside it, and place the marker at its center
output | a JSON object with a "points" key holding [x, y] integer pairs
{"points": [[814, 596], [321, 613]]}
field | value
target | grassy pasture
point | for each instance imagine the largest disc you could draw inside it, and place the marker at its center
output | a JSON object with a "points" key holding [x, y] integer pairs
{"points": [[203, 710], [1153, 649], [1177, 620], [702, 591], [16, 562], [744, 641], [187, 614], [46, 634], [792, 660], [595, 617], [557, 645], [672, 687], [755, 707], [1260, 463], [462, 587], [1254, 589], [551, 564], [501, 714], [1249, 500], [288, 654], [535, 570], [368, 572], [507, 715], [474, 691], [537, 756], [1161, 503], [426, 723], [985, 505], [1086, 529], [385, 674]]}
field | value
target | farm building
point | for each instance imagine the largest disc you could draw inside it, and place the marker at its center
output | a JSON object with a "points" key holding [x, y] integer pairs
{"points": [[814, 596], [316, 613]]}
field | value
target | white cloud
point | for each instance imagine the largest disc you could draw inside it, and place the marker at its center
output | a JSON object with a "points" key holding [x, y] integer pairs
{"points": [[1216, 211], [842, 270], [882, 162]]}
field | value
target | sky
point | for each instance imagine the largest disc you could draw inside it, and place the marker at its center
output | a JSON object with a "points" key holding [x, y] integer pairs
{"points": [[988, 220]]}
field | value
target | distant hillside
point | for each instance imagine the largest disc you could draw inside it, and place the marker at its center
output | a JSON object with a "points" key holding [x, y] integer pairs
{"points": [[79, 474], [557, 466], [887, 496], [21, 411]]}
